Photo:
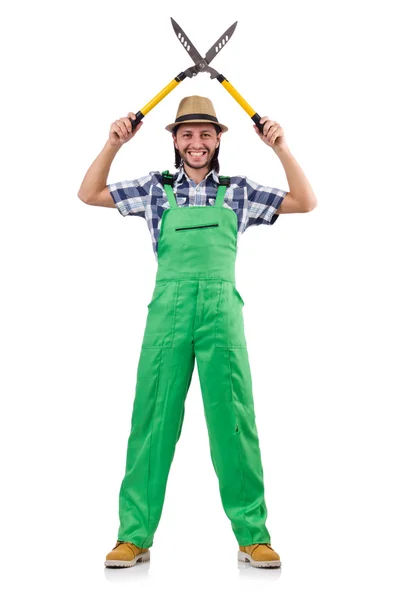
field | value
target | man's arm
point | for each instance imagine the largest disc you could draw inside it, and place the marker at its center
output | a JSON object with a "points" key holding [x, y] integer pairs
{"points": [[289, 205], [93, 189], [301, 197]]}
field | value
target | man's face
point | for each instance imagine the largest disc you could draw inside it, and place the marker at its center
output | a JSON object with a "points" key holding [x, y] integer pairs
{"points": [[197, 143]]}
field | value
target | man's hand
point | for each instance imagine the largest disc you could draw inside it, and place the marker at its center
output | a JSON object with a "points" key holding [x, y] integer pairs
{"points": [[273, 134], [121, 130]]}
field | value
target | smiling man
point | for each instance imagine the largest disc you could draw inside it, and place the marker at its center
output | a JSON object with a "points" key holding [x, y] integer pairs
{"points": [[195, 218], [196, 145]]}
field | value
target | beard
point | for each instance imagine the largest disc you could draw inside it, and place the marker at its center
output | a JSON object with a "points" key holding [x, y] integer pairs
{"points": [[205, 162]]}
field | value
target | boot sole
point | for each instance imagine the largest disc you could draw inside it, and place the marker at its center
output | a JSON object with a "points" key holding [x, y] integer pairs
{"points": [[145, 557], [265, 564]]}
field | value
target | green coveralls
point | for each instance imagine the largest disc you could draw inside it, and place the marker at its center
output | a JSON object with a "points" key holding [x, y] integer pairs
{"points": [[195, 312]]}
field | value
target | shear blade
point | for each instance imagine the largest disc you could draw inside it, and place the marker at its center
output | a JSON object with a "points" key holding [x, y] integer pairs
{"points": [[186, 43], [221, 43]]}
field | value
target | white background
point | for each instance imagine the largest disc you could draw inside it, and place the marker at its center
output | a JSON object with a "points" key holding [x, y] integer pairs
{"points": [[319, 291]]}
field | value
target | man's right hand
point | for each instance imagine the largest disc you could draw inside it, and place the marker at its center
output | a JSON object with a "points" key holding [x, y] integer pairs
{"points": [[121, 131]]}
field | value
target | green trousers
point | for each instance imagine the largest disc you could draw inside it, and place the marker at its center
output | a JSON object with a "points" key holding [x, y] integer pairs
{"points": [[195, 314]]}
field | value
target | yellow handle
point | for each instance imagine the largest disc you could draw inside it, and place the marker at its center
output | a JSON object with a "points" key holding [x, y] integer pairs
{"points": [[168, 88], [243, 103]]}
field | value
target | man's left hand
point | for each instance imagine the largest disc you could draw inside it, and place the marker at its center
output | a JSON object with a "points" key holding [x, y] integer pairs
{"points": [[273, 134]]}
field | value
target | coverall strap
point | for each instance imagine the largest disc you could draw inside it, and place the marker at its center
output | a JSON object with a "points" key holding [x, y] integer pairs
{"points": [[168, 181], [224, 183]]}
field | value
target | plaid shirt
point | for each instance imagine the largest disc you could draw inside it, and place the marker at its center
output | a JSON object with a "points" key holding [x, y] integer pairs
{"points": [[145, 197]]}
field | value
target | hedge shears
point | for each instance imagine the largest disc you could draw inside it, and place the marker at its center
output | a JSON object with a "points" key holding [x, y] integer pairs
{"points": [[200, 65]]}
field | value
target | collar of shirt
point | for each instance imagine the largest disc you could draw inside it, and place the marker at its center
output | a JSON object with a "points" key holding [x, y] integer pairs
{"points": [[181, 175]]}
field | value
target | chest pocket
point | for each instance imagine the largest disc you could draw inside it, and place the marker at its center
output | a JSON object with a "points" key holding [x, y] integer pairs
{"points": [[205, 226]]}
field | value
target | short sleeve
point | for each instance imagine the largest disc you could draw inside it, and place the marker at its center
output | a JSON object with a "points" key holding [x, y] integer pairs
{"points": [[131, 196], [263, 202]]}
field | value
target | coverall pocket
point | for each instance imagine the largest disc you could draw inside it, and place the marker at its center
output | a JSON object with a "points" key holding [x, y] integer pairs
{"points": [[229, 319], [158, 290], [160, 320], [205, 226]]}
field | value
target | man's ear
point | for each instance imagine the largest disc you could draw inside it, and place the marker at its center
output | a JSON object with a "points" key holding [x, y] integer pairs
{"points": [[175, 142], [219, 138]]}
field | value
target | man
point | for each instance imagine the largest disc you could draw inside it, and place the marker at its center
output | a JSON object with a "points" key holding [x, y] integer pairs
{"points": [[195, 218]]}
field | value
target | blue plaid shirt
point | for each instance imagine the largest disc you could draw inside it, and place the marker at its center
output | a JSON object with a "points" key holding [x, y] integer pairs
{"points": [[145, 197]]}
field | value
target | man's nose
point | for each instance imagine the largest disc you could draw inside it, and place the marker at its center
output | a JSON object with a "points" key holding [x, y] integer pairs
{"points": [[196, 141]]}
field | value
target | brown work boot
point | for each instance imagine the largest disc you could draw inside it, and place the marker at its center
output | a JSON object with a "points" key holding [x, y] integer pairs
{"points": [[126, 554], [259, 555]]}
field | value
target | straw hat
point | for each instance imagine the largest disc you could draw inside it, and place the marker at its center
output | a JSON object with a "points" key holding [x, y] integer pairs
{"points": [[196, 109]]}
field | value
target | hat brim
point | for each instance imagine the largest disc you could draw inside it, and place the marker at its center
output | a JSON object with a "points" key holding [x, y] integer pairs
{"points": [[172, 125]]}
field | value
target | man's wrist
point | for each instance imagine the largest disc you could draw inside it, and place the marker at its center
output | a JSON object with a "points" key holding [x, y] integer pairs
{"points": [[108, 147], [283, 150]]}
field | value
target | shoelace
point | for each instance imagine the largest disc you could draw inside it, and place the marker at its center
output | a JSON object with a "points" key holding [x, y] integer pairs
{"points": [[119, 542]]}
